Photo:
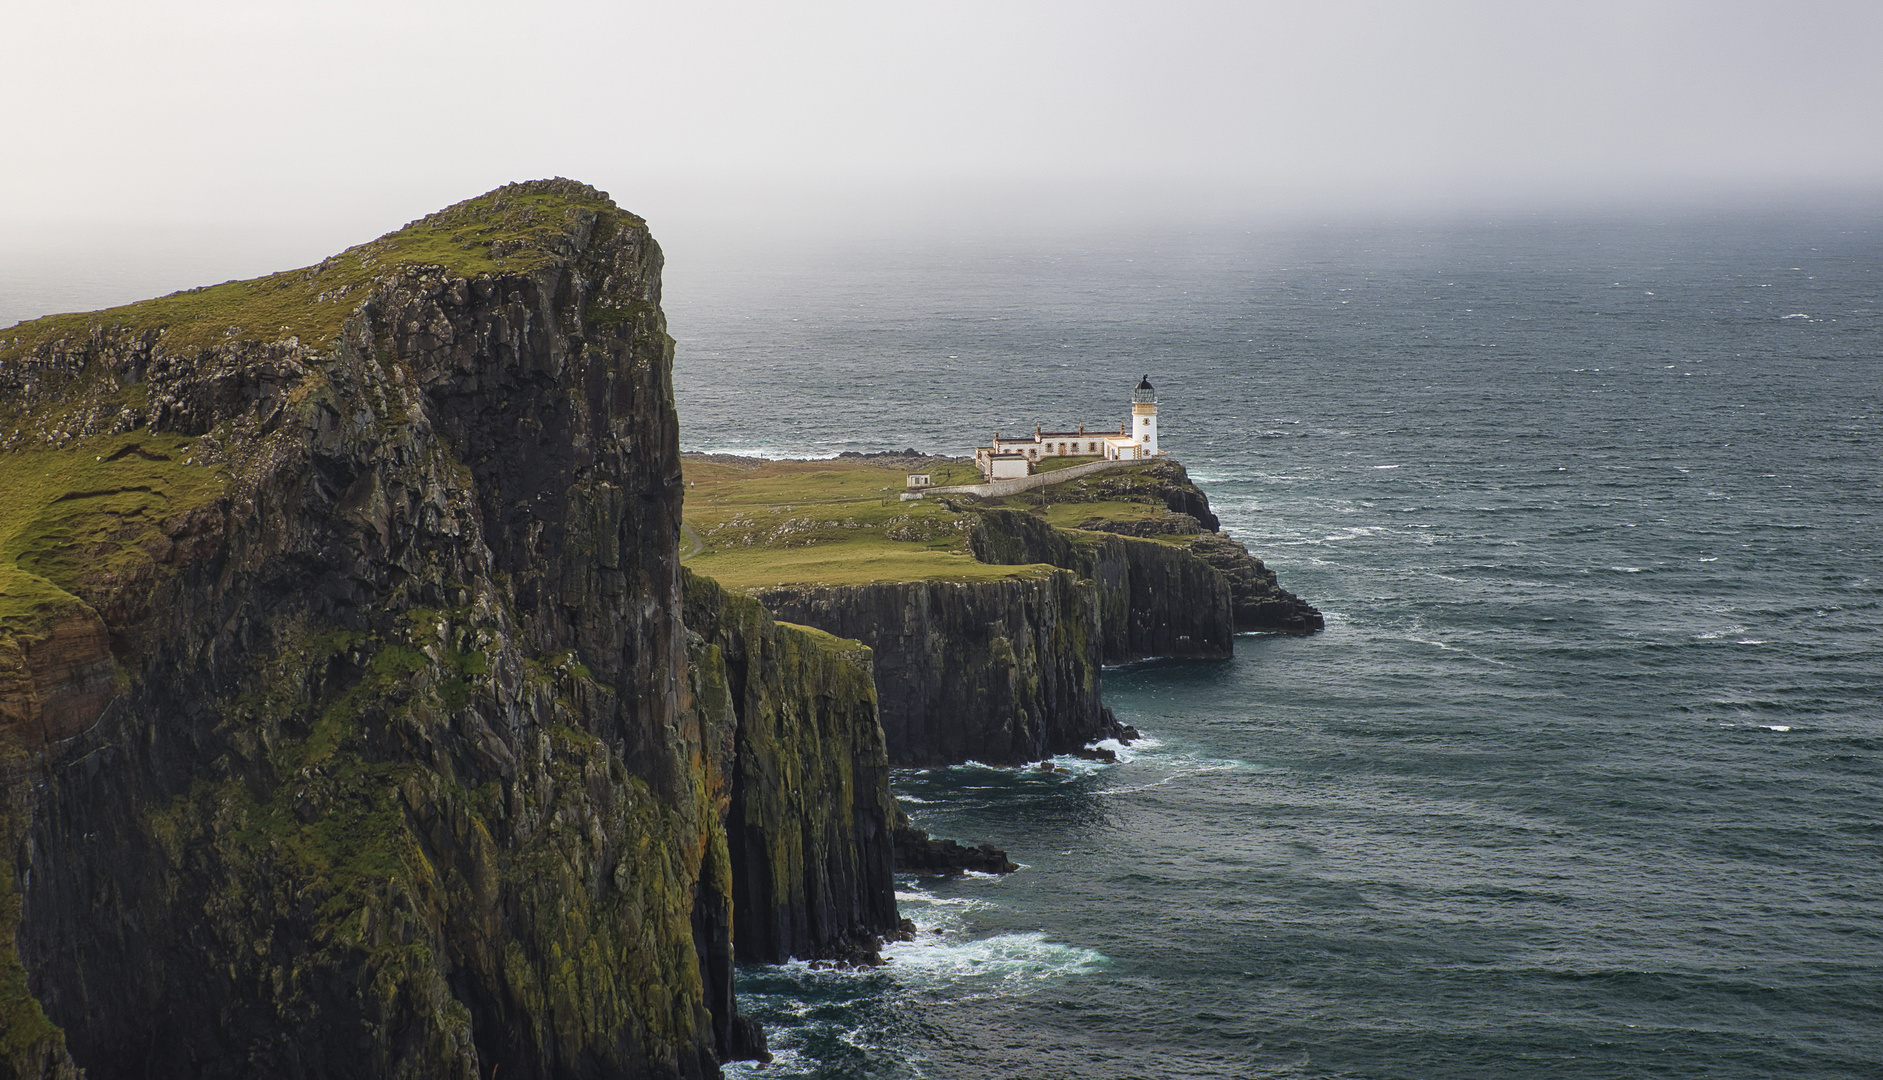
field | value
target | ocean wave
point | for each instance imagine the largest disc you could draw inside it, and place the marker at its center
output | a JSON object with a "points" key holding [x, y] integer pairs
{"points": [[1002, 965], [1082, 766]]}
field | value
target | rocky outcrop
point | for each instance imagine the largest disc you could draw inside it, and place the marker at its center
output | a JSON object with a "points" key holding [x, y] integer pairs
{"points": [[1000, 672], [55, 683], [1162, 481], [1154, 599], [798, 762], [920, 853], [404, 771], [1156, 525], [1259, 601], [1007, 671]]}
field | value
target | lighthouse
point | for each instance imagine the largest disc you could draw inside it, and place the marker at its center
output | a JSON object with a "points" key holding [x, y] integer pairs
{"points": [[1136, 440], [1144, 416]]}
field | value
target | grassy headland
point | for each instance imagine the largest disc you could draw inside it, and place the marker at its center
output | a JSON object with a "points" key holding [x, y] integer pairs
{"points": [[756, 524], [83, 513], [501, 232], [840, 522]]}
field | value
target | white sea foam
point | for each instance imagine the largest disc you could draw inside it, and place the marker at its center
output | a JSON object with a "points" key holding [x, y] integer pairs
{"points": [[944, 954], [1776, 727], [933, 914], [785, 1060], [1001, 965], [1068, 765], [768, 453]]}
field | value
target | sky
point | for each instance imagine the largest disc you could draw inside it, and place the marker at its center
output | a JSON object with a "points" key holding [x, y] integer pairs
{"points": [[293, 129]]}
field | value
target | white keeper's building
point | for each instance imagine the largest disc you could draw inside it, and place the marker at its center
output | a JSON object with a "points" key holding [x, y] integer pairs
{"points": [[1136, 440]]}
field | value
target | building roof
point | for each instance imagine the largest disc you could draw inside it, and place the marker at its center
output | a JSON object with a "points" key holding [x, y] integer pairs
{"points": [[1144, 382]]}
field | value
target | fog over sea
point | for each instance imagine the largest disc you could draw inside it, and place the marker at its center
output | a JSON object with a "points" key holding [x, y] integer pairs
{"points": [[1582, 780]]}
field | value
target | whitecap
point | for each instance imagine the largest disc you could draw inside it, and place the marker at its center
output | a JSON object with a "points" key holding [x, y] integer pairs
{"points": [[933, 914], [1124, 752], [1068, 765], [1799, 315], [1776, 727], [785, 1060], [1752, 641], [1626, 569], [1001, 965]]}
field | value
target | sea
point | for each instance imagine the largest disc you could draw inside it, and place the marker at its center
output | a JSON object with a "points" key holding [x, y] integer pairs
{"points": [[1582, 779]]}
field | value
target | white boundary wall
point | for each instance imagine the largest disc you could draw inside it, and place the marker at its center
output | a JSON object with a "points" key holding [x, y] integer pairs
{"points": [[1027, 483]]}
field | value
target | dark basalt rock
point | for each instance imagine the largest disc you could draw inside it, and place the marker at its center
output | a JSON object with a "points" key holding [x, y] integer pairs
{"points": [[1260, 602], [1154, 599], [917, 852], [1161, 525], [412, 767], [792, 713], [1006, 672], [1001, 672]]}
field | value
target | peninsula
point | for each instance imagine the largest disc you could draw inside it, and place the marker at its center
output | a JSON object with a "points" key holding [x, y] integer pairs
{"points": [[368, 707], [993, 593]]}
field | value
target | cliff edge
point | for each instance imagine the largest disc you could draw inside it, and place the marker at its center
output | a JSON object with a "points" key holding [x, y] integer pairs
{"points": [[990, 620], [346, 712]]}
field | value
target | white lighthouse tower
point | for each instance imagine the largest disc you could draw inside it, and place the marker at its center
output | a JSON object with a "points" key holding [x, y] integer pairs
{"points": [[1144, 416]]}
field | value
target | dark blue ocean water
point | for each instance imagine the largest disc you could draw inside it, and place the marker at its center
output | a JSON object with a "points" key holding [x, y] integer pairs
{"points": [[1583, 778]]}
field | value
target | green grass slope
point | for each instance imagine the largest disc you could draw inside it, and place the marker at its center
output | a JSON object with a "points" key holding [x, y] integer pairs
{"points": [[841, 522], [500, 232]]}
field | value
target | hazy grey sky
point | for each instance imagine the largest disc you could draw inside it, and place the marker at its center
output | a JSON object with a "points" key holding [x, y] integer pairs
{"points": [[351, 116]]}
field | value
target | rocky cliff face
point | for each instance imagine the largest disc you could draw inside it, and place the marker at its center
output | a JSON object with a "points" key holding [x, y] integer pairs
{"points": [[994, 671], [392, 762], [791, 726], [1004, 672], [1257, 600], [1154, 599]]}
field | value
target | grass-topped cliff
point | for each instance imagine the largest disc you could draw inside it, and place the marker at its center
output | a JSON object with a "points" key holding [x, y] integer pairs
{"points": [[508, 231], [345, 694], [761, 524], [103, 415], [990, 618], [758, 524]]}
